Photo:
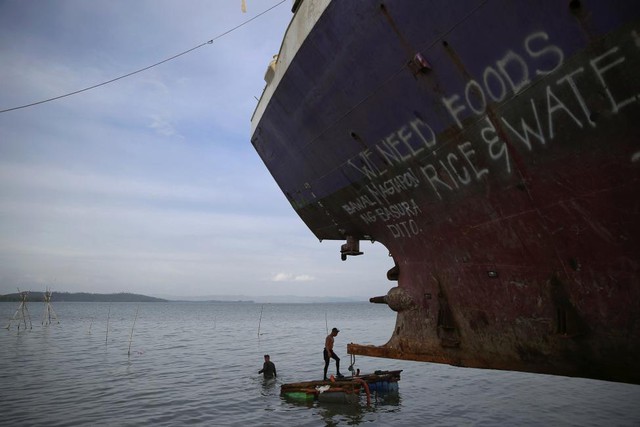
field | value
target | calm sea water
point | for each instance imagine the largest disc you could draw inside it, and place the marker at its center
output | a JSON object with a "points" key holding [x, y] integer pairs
{"points": [[197, 363]]}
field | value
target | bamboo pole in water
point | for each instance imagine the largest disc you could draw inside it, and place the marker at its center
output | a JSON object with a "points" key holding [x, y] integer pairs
{"points": [[106, 339], [260, 321], [326, 324], [133, 326]]}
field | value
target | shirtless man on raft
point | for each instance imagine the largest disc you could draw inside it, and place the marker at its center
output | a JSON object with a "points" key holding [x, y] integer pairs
{"points": [[329, 354]]}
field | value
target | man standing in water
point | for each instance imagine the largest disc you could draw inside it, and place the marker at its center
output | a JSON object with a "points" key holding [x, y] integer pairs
{"points": [[329, 354], [268, 369]]}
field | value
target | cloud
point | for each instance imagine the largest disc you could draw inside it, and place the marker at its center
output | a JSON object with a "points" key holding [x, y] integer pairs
{"points": [[289, 277], [162, 125]]}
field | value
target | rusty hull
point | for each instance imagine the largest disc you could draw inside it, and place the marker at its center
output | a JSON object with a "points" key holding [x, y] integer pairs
{"points": [[493, 147]]}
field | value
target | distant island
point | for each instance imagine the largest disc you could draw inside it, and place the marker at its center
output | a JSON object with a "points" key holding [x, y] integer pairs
{"points": [[36, 296], [83, 297]]}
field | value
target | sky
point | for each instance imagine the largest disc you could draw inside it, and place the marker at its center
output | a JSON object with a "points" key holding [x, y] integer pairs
{"points": [[150, 184]]}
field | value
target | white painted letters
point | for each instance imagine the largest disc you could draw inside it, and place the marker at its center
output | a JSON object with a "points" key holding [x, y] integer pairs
{"points": [[410, 161]]}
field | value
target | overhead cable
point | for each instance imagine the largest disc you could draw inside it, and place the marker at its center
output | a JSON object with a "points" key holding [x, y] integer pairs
{"points": [[148, 67]]}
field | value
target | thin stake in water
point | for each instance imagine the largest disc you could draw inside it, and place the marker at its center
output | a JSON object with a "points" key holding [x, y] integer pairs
{"points": [[134, 325], [326, 324], [106, 339], [261, 308]]}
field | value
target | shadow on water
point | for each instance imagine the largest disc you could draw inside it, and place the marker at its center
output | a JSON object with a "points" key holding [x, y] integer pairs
{"points": [[334, 413], [386, 399], [359, 412], [352, 413]]}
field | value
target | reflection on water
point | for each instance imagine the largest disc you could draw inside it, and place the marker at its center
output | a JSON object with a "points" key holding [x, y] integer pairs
{"points": [[198, 363]]}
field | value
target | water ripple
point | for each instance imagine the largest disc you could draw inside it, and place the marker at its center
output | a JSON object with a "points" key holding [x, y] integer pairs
{"points": [[197, 364]]}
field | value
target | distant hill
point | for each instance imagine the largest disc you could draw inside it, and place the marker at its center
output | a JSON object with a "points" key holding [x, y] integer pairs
{"points": [[263, 299], [83, 297]]}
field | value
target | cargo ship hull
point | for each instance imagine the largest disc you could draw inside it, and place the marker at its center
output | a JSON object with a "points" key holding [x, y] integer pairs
{"points": [[493, 147]]}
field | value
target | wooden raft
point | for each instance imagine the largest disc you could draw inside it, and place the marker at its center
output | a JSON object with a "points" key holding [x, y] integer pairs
{"points": [[347, 386]]}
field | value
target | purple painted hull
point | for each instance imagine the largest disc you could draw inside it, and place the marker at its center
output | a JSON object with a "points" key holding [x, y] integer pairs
{"points": [[494, 149]]}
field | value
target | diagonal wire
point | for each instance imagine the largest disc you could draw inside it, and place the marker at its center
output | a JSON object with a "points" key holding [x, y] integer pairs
{"points": [[145, 68]]}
